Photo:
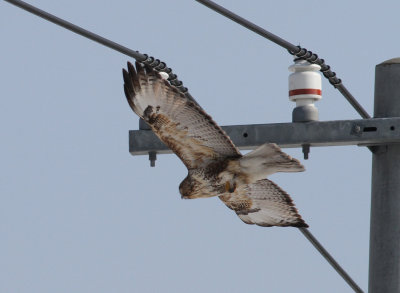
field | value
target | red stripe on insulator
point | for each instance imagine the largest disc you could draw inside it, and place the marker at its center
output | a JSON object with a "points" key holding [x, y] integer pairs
{"points": [[305, 92]]}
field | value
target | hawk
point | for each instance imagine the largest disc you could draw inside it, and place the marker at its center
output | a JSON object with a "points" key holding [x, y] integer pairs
{"points": [[215, 165]]}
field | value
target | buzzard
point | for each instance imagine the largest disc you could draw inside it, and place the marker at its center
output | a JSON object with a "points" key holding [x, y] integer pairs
{"points": [[215, 165]]}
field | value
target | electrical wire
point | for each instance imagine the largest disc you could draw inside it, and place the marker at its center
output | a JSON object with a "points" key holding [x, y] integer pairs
{"points": [[294, 50], [76, 29], [161, 66], [144, 58], [306, 232]]}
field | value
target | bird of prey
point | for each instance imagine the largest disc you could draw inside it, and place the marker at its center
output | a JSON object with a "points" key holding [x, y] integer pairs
{"points": [[215, 165]]}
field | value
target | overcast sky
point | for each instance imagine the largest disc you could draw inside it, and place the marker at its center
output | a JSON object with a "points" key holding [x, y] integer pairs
{"points": [[78, 213]]}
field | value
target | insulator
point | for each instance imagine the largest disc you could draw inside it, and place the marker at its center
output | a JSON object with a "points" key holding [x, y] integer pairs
{"points": [[304, 89]]}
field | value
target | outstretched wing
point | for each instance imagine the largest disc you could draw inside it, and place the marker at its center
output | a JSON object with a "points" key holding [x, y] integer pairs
{"points": [[182, 125], [265, 204]]}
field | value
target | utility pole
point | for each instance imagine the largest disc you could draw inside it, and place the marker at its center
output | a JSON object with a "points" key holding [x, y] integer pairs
{"points": [[384, 260]]}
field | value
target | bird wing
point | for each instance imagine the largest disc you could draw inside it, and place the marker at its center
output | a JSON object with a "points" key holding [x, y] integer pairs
{"points": [[181, 124], [263, 203]]}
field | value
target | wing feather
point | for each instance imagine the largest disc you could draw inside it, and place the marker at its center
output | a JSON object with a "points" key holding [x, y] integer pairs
{"points": [[181, 124], [265, 204]]}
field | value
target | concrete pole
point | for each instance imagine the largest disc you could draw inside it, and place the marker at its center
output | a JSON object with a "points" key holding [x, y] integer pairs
{"points": [[384, 257]]}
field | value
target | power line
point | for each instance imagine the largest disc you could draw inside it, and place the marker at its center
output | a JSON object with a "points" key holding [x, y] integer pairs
{"points": [[306, 232], [144, 58], [78, 30], [161, 66], [294, 50]]}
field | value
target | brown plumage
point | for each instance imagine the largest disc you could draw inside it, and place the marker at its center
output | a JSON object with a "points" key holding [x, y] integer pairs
{"points": [[215, 165]]}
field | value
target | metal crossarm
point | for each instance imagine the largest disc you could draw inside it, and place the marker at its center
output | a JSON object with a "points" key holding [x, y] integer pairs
{"points": [[363, 132]]}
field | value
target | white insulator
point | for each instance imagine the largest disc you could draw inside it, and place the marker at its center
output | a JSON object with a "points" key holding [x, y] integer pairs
{"points": [[305, 89]]}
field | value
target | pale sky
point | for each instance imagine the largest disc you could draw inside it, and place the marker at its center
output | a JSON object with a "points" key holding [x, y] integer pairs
{"points": [[79, 214]]}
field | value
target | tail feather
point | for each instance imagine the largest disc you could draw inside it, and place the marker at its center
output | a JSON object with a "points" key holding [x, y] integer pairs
{"points": [[268, 159]]}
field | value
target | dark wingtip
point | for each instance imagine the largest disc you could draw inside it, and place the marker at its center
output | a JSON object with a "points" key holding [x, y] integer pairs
{"points": [[131, 69], [300, 224], [139, 67], [128, 86], [125, 74]]}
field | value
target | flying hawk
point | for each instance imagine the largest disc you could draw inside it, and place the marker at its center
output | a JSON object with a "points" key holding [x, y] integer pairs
{"points": [[215, 166]]}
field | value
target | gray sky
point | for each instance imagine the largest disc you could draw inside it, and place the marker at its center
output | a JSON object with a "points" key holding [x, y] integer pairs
{"points": [[78, 213]]}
